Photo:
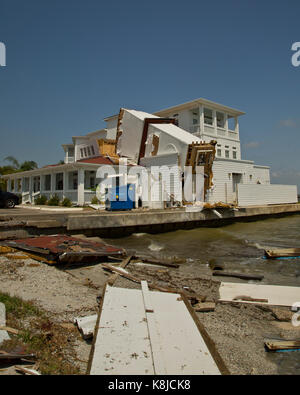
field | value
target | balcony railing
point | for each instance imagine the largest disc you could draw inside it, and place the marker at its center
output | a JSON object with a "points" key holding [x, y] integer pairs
{"points": [[220, 132]]}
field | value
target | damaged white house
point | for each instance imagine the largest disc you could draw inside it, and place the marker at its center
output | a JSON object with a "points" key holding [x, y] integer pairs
{"points": [[200, 135]]}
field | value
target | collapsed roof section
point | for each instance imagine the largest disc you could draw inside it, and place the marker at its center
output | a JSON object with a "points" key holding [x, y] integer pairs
{"points": [[140, 134]]}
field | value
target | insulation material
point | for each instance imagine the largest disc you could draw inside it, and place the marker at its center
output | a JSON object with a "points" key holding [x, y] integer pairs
{"points": [[107, 147], [200, 157]]}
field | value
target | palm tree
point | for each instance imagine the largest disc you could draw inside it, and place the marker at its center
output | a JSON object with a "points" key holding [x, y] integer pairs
{"points": [[25, 166], [28, 165], [13, 161]]}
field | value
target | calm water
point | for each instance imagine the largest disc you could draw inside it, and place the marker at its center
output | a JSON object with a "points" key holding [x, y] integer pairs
{"points": [[240, 247]]}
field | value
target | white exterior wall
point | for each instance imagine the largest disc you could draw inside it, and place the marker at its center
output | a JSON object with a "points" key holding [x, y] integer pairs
{"points": [[184, 119], [167, 144], [111, 127], [222, 190], [84, 143], [262, 174], [157, 195], [251, 195]]}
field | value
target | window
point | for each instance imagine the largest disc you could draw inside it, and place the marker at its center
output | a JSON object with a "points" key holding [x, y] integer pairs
{"points": [[89, 151], [47, 185], [85, 151], [231, 123], [220, 120], [250, 177], [219, 152], [81, 153], [208, 116], [59, 185], [234, 154], [92, 148], [226, 153]]}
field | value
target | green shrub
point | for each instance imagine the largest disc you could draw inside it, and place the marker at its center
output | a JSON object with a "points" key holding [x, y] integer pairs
{"points": [[41, 200], [66, 202], [95, 200], [54, 200]]}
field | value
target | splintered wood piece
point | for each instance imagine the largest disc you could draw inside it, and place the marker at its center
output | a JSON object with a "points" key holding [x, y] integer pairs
{"points": [[114, 276]]}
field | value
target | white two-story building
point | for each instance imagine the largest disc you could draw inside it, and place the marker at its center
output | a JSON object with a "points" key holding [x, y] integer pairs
{"points": [[234, 180]]}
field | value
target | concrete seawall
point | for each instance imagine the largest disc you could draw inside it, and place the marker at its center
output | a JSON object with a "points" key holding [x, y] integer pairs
{"points": [[122, 223], [168, 220]]}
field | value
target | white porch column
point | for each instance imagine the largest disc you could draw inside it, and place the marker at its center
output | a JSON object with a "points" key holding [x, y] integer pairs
{"points": [[42, 183], [201, 118], [226, 123], [236, 125], [80, 187], [214, 112], [53, 183], [22, 187], [65, 183], [30, 189]]}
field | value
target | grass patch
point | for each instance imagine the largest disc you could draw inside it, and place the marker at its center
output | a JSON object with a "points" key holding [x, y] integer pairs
{"points": [[18, 307], [39, 334]]}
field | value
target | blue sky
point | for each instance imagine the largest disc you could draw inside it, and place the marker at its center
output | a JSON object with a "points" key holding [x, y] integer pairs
{"points": [[72, 63]]}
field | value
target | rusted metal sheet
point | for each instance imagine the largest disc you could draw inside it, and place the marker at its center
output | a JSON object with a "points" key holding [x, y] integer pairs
{"points": [[66, 249]]}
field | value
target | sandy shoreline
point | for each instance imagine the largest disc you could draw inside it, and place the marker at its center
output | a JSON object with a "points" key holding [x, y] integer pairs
{"points": [[237, 330]]}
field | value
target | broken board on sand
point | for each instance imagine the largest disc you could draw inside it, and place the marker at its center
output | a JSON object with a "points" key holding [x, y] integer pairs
{"points": [[282, 253], [142, 332], [274, 295]]}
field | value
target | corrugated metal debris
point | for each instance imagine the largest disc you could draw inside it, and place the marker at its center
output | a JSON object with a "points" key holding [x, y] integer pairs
{"points": [[65, 249]]}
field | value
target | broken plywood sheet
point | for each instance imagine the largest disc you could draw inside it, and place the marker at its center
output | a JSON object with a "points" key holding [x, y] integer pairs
{"points": [[275, 295], [122, 345], [144, 332]]}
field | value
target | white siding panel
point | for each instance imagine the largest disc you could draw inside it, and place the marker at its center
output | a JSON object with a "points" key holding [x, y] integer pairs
{"points": [[251, 195], [222, 190], [171, 185]]}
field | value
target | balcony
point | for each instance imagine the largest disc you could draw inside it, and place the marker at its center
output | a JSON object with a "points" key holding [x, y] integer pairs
{"points": [[210, 130], [69, 159]]}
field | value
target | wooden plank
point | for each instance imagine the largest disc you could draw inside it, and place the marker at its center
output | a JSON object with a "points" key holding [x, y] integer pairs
{"points": [[275, 295], [183, 348], [136, 279], [158, 357], [146, 296], [27, 371], [114, 276], [9, 330], [277, 345], [159, 262], [243, 276], [204, 307], [164, 341], [122, 345], [282, 252]]}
